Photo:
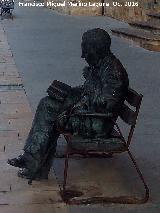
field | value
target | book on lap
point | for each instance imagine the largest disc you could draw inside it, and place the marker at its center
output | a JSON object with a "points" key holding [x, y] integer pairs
{"points": [[58, 90]]}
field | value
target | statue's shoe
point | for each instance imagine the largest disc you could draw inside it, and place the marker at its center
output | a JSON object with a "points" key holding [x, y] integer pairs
{"points": [[17, 162], [25, 173]]}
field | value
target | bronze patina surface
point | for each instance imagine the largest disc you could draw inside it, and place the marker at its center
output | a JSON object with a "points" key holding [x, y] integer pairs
{"points": [[104, 90]]}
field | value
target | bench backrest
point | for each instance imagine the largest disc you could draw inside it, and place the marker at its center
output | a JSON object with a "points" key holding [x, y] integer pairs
{"points": [[129, 115]]}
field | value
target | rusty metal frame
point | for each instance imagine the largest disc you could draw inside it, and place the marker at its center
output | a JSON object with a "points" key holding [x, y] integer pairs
{"points": [[68, 196]]}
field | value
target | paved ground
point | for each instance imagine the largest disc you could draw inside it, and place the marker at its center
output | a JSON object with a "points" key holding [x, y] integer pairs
{"points": [[16, 116], [46, 46]]}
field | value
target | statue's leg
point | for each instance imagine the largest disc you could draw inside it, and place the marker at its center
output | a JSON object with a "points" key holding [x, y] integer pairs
{"points": [[54, 134], [41, 143], [42, 139]]}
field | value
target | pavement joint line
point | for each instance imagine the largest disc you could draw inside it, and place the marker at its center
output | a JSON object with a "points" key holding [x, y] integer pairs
{"points": [[11, 87]]}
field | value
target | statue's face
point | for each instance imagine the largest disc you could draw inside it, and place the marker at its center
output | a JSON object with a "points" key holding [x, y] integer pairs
{"points": [[95, 46], [89, 54]]}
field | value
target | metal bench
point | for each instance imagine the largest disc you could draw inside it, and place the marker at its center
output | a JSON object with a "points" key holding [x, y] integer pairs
{"points": [[7, 7], [106, 147]]}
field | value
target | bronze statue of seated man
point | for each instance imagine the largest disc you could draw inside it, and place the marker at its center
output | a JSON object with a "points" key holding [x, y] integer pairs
{"points": [[104, 90]]}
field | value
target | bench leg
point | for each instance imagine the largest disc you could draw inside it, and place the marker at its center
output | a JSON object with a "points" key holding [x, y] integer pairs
{"points": [[66, 169], [68, 197], [146, 197]]}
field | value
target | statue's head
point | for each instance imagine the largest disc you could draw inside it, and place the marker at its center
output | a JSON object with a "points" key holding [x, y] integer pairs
{"points": [[95, 45]]}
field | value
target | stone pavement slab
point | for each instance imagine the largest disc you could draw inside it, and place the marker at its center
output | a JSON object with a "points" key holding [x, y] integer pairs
{"points": [[34, 208], [30, 197], [13, 97], [6, 80], [12, 183], [17, 108], [8, 69]]}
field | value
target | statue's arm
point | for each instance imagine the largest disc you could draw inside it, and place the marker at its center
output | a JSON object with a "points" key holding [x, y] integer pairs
{"points": [[113, 91], [77, 90]]}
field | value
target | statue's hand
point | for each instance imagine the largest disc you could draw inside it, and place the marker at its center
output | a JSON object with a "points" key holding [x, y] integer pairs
{"points": [[62, 115], [81, 105]]}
